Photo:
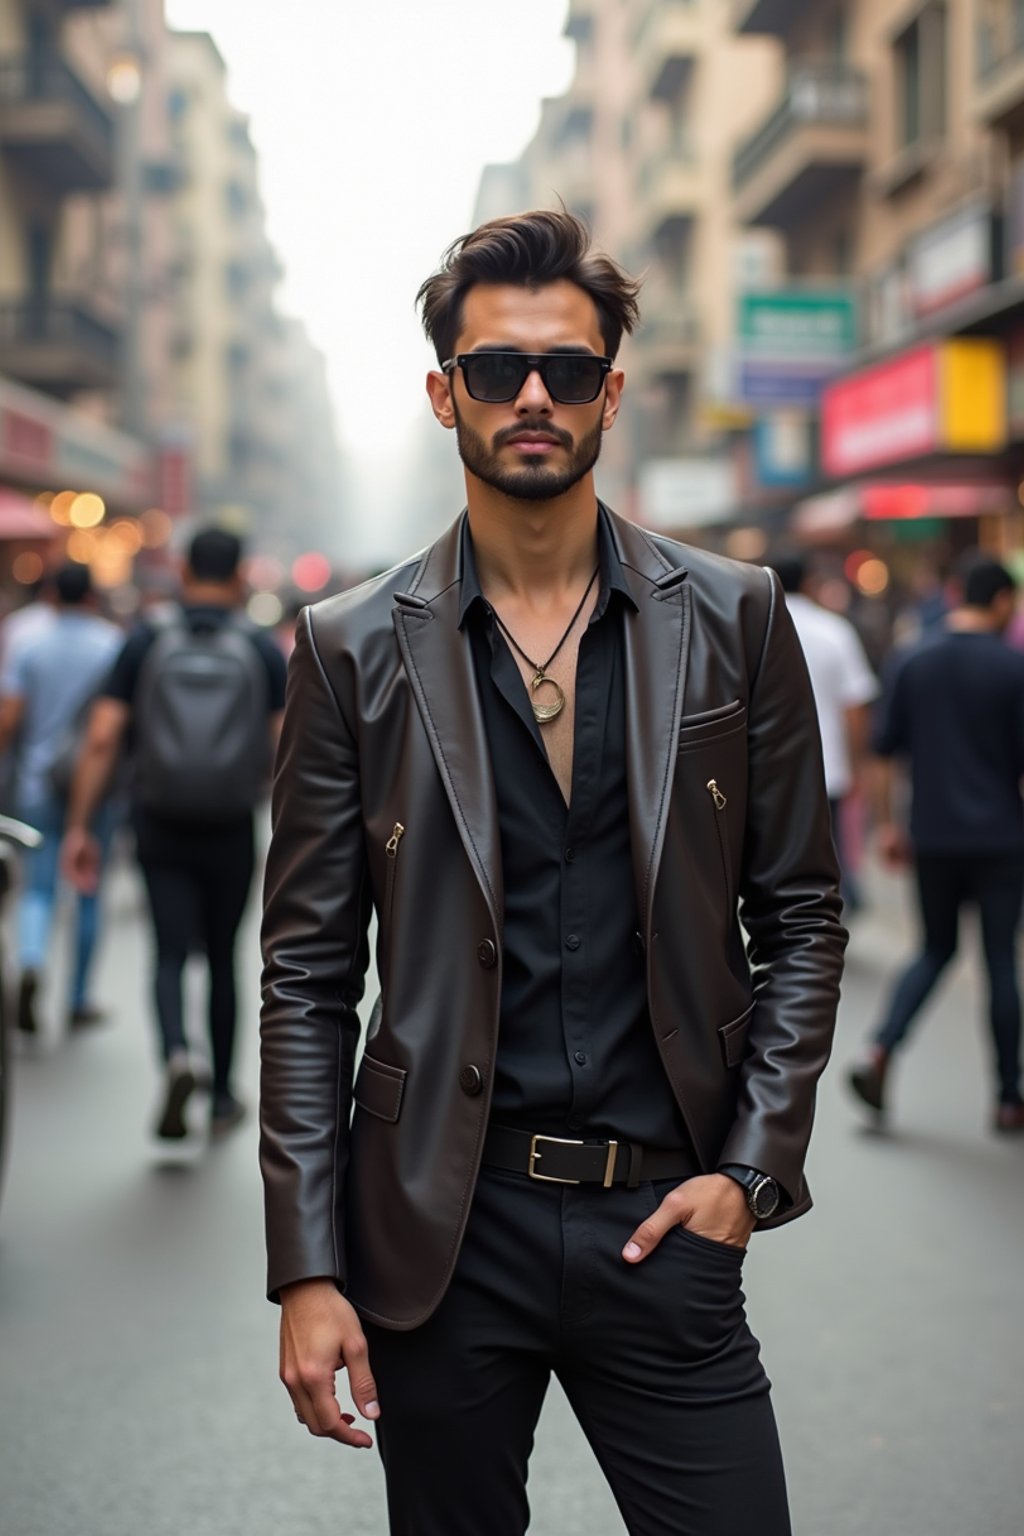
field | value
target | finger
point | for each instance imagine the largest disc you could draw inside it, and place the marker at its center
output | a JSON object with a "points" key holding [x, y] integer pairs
{"points": [[650, 1232], [360, 1377], [325, 1420]]}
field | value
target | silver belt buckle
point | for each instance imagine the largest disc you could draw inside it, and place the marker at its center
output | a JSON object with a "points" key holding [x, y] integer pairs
{"points": [[560, 1141]]}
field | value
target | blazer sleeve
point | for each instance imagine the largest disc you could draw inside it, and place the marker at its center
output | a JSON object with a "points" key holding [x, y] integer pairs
{"points": [[315, 950], [790, 907]]}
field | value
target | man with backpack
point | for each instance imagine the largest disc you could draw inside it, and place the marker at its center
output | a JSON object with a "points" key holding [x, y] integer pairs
{"points": [[200, 690], [48, 681]]}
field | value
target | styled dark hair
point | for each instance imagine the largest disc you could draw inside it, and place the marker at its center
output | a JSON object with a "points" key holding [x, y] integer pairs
{"points": [[73, 584], [530, 249], [982, 578], [214, 554], [791, 569]]}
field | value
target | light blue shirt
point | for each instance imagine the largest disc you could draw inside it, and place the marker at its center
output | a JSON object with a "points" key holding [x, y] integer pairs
{"points": [[55, 674]]}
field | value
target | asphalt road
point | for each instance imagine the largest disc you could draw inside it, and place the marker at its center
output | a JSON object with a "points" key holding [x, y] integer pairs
{"points": [[138, 1389]]}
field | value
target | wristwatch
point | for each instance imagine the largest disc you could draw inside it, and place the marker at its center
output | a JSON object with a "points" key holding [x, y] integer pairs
{"points": [[762, 1191]]}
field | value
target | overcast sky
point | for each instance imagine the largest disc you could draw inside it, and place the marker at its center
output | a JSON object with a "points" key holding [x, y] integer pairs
{"points": [[372, 122]]}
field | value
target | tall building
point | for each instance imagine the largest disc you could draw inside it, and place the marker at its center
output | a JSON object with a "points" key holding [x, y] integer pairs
{"points": [[640, 147], [891, 167], [248, 384]]}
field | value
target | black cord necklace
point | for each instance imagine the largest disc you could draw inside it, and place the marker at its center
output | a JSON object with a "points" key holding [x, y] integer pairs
{"points": [[544, 713]]}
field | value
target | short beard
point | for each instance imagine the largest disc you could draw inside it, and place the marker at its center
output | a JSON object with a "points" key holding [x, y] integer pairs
{"points": [[533, 482]]}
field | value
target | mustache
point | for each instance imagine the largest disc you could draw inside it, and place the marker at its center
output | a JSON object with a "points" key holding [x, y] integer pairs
{"points": [[541, 428]]}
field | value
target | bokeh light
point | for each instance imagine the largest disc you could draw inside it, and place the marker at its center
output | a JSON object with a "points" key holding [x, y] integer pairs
{"points": [[81, 545], [60, 507], [872, 577], [87, 510], [27, 567], [311, 572], [265, 608], [156, 528]]}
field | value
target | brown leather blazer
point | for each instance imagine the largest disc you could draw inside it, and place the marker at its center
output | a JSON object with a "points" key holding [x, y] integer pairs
{"points": [[371, 1181]]}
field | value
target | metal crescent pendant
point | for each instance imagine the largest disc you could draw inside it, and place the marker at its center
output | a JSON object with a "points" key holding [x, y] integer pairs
{"points": [[542, 713]]}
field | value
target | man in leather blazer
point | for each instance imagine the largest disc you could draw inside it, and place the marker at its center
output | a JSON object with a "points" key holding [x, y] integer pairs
{"points": [[575, 771]]}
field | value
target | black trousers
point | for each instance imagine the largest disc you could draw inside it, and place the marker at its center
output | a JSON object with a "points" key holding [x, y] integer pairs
{"points": [[945, 883], [657, 1361], [197, 878]]}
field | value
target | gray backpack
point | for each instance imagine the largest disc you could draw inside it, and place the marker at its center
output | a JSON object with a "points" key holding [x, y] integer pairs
{"points": [[201, 723]]}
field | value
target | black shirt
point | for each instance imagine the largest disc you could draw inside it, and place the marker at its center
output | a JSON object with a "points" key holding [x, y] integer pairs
{"points": [[954, 706], [576, 1052]]}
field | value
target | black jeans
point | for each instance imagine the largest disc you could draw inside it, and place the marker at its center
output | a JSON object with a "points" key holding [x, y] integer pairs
{"points": [[945, 882], [657, 1361], [197, 877]]}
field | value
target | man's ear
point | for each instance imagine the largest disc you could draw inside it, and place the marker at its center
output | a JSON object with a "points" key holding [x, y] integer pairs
{"points": [[612, 397], [439, 390]]}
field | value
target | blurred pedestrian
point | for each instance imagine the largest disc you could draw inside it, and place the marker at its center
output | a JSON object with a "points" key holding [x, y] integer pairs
{"points": [[844, 686], [201, 689], [49, 678], [571, 1112], [953, 711], [19, 628]]}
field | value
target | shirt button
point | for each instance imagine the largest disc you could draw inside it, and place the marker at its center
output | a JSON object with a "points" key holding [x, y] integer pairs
{"points": [[471, 1080], [574, 1123], [570, 854], [487, 954], [580, 1058], [572, 941]]}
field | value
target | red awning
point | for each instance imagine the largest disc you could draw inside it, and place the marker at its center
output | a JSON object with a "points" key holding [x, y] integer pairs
{"points": [[22, 519]]}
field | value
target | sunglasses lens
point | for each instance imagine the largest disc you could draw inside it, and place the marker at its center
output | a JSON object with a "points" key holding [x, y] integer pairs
{"points": [[493, 376], [574, 380]]}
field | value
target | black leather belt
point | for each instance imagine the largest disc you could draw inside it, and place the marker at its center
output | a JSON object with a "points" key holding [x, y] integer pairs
{"points": [[552, 1160]]}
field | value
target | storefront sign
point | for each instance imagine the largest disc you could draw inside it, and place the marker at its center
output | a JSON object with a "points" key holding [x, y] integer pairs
{"points": [[943, 396], [951, 260], [782, 446], [686, 492], [50, 446], [791, 342]]}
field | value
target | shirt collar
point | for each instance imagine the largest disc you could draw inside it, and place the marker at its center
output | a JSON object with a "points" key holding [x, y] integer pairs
{"points": [[612, 578]]}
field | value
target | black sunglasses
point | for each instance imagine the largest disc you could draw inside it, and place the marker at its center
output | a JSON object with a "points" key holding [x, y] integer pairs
{"points": [[495, 378]]}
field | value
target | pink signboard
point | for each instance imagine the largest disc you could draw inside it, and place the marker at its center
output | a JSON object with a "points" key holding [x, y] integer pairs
{"points": [[883, 415]]}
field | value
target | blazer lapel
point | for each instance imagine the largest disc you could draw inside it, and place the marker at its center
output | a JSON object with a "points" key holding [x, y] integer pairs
{"points": [[439, 664], [657, 638]]}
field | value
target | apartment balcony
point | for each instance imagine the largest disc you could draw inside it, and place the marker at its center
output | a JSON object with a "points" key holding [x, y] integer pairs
{"points": [[53, 127], [813, 146], [670, 190], [771, 18], [668, 339], [999, 87], [58, 345], [667, 40]]}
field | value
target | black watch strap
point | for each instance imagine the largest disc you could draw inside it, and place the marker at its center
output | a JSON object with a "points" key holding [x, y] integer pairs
{"points": [[761, 1189]]}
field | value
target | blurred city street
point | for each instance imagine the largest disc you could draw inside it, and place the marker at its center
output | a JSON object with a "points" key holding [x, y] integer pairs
{"points": [[139, 1391]]}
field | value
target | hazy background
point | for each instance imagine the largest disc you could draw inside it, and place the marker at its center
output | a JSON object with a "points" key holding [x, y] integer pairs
{"points": [[373, 124]]}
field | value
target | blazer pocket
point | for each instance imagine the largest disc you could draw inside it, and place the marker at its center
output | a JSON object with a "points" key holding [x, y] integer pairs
{"points": [[710, 724], [379, 1088], [732, 1037]]}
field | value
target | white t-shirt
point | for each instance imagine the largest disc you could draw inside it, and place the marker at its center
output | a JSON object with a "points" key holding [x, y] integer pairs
{"points": [[841, 678]]}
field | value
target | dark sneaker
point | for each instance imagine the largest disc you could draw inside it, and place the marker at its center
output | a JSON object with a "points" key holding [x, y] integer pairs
{"points": [[1009, 1119], [85, 1015], [867, 1079], [225, 1113], [179, 1086], [27, 1021]]}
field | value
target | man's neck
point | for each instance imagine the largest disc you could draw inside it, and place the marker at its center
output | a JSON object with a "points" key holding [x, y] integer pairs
{"points": [[536, 550], [972, 621], [209, 594]]}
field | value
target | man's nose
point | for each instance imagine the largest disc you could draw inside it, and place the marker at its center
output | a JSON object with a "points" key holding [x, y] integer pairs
{"points": [[533, 397]]}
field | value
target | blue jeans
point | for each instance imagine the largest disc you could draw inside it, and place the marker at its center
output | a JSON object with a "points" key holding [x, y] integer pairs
{"points": [[39, 892]]}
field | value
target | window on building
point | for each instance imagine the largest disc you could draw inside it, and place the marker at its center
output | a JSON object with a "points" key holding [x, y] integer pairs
{"points": [[920, 58]]}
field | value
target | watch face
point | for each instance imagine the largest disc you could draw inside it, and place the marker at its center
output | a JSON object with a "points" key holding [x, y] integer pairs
{"points": [[764, 1199]]}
